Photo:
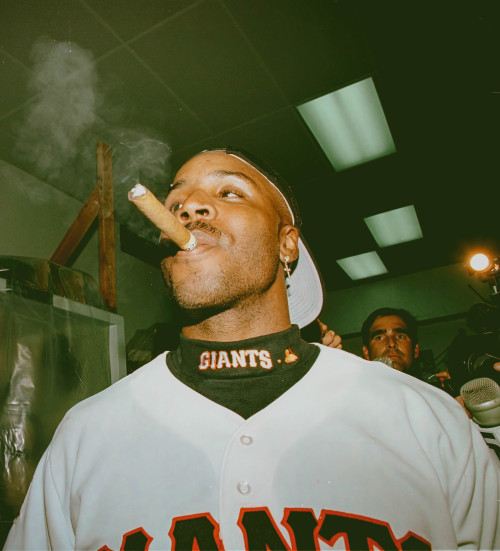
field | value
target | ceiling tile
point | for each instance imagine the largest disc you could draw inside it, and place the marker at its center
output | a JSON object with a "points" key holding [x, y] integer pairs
{"points": [[139, 15], [203, 50], [13, 84], [134, 98], [278, 139], [310, 47], [23, 22], [231, 72], [7, 142]]}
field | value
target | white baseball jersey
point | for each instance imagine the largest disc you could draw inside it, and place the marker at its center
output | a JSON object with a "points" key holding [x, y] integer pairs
{"points": [[355, 455]]}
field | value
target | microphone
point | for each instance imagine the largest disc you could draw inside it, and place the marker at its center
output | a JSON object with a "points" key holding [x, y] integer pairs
{"points": [[482, 399], [385, 360]]}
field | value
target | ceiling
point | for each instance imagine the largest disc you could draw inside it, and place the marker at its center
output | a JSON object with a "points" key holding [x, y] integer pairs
{"points": [[185, 75]]}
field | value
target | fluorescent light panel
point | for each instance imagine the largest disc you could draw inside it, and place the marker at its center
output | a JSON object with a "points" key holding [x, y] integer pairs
{"points": [[350, 125], [395, 226], [362, 266]]}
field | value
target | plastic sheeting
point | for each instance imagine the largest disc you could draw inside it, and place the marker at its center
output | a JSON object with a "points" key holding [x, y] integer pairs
{"points": [[50, 359], [148, 343], [40, 279]]}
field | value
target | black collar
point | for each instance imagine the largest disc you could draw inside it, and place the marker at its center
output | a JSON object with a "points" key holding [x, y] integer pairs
{"points": [[244, 376], [247, 358]]}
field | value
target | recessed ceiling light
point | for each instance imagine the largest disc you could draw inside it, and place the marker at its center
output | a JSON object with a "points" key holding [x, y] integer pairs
{"points": [[350, 125], [395, 226], [362, 266]]}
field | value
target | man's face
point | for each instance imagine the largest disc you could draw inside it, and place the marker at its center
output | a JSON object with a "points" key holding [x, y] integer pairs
{"points": [[389, 337], [231, 209]]}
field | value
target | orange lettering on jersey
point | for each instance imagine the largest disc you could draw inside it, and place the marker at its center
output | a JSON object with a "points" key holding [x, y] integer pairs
{"points": [[361, 532], [136, 539], [302, 526], [260, 531], [196, 532], [200, 532]]}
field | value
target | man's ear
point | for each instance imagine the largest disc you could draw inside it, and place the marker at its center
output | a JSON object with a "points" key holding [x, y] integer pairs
{"points": [[289, 242], [366, 354], [417, 351]]}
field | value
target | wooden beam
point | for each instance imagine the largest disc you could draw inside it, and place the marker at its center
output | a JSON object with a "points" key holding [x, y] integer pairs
{"points": [[107, 264], [78, 229]]}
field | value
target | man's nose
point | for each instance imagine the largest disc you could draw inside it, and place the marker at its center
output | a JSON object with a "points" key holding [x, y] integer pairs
{"points": [[198, 205], [391, 342]]}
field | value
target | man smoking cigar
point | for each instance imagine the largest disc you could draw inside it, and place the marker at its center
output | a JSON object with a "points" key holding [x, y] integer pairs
{"points": [[247, 437]]}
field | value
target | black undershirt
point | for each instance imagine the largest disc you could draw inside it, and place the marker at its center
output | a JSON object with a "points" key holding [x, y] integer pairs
{"points": [[279, 361]]}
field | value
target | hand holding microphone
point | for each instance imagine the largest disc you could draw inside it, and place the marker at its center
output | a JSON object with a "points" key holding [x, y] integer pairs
{"points": [[481, 398]]}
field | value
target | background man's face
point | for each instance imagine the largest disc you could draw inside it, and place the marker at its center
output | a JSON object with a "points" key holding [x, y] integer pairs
{"points": [[388, 336], [230, 209]]}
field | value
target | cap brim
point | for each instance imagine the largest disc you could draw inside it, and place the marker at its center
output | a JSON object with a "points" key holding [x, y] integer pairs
{"points": [[304, 289]]}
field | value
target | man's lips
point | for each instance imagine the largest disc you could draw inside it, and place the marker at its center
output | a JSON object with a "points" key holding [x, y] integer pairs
{"points": [[205, 240]]}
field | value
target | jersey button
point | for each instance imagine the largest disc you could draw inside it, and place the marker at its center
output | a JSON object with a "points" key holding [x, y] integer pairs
{"points": [[244, 487], [246, 440]]}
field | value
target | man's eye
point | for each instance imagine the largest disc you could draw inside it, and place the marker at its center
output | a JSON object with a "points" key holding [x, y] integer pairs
{"points": [[175, 206], [230, 193], [378, 338], [402, 336]]}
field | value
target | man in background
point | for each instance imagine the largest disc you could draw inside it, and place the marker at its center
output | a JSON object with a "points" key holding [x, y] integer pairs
{"points": [[391, 333]]}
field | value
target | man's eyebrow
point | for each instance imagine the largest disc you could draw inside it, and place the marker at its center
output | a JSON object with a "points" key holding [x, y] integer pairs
{"points": [[220, 174], [383, 331], [237, 174], [177, 184], [378, 332]]}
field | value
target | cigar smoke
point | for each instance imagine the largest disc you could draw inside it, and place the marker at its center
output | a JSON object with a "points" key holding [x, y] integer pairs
{"points": [[139, 158], [63, 110], [72, 110]]}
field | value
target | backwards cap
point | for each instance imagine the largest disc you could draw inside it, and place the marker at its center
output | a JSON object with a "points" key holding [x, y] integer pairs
{"points": [[304, 287]]}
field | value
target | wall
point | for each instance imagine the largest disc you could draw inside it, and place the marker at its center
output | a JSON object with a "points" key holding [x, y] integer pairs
{"points": [[35, 217], [438, 298]]}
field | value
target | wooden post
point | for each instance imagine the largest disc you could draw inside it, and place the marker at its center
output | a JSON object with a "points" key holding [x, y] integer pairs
{"points": [[107, 264], [78, 229], [99, 203]]}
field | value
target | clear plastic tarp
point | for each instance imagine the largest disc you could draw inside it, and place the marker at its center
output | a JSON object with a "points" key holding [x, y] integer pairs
{"points": [[57, 347]]}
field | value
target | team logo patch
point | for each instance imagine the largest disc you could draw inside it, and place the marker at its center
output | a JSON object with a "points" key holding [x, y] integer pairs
{"points": [[221, 359], [290, 356]]}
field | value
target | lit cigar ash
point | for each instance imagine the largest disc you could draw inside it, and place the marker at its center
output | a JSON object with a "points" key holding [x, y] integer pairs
{"points": [[161, 217]]}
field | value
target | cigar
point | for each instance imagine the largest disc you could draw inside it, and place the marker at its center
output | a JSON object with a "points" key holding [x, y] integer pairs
{"points": [[161, 217]]}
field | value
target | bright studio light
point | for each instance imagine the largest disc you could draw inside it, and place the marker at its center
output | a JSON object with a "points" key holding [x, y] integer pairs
{"points": [[479, 262]]}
